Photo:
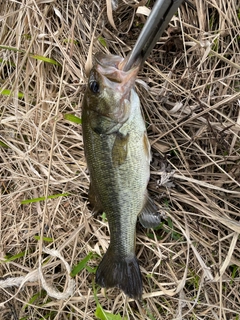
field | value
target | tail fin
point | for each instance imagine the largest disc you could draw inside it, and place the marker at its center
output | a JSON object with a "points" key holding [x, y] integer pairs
{"points": [[121, 272]]}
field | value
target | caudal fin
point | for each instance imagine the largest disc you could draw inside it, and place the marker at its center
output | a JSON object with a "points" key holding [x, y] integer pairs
{"points": [[121, 272]]}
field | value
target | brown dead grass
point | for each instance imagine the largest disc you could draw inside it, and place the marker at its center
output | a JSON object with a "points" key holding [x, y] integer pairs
{"points": [[190, 266]]}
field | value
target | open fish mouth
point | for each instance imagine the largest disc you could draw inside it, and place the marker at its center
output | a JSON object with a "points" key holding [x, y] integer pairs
{"points": [[110, 87], [112, 68]]}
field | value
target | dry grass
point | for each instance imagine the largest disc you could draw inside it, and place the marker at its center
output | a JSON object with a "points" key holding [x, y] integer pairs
{"points": [[190, 266]]}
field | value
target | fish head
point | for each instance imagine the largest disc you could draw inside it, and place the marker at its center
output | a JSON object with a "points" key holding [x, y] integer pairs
{"points": [[108, 91]]}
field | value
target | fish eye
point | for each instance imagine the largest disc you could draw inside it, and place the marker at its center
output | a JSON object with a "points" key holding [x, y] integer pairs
{"points": [[94, 86]]}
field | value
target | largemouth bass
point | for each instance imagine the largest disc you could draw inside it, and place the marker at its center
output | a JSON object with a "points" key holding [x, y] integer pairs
{"points": [[118, 157]]}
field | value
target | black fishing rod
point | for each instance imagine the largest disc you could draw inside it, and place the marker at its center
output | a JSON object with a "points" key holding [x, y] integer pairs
{"points": [[158, 20]]}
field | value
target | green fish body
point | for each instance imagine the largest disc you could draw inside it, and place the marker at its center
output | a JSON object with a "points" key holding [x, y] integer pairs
{"points": [[118, 157]]}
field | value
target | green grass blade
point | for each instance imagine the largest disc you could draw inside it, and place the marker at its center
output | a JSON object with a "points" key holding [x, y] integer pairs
{"points": [[6, 92], [9, 48], [72, 118], [81, 265], [35, 297], [45, 59], [101, 314], [15, 257], [91, 270], [102, 41], [47, 239], [4, 145], [34, 56], [54, 196]]}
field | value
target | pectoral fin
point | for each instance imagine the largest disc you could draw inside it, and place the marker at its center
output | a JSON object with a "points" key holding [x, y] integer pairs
{"points": [[149, 217], [120, 149], [147, 147]]}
